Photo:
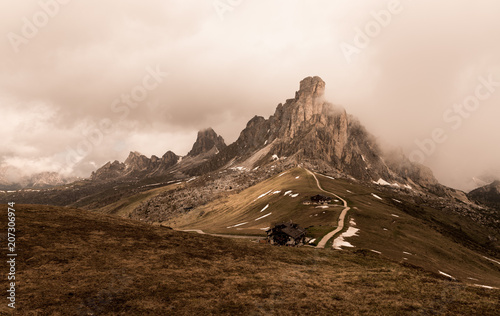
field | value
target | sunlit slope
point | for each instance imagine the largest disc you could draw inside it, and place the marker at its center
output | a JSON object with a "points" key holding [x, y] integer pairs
{"points": [[423, 236], [277, 199]]}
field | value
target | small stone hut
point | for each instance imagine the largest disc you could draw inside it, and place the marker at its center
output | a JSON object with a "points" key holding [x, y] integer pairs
{"points": [[286, 234]]}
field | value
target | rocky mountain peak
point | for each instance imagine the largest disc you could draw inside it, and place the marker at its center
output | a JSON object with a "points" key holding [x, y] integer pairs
{"points": [[310, 88], [207, 139], [136, 161]]}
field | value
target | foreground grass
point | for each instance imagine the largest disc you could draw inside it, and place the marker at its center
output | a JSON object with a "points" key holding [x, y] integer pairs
{"points": [[72, 262]]}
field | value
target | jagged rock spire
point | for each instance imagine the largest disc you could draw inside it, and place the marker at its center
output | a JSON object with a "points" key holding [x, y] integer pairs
{"points": [[206, 141]]}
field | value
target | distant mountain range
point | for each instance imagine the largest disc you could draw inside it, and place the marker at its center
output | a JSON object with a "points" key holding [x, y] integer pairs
{"points": [[11, 178]]}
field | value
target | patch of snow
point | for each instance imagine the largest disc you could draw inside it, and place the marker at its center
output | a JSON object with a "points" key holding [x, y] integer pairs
{"points": [[262, 195], [297, 177], [256, 168], [486, 287], [265, 143], [446, 275], [275, 157], [397, 200], [394, 215], [491, 260], [294, 195], [265, 228], [150, 185], [381, 182], [348, 191], [263, 216], [237, 225], [322, 206], [283, 173], [408, 186], [407, 253], [287, 192], [340, 241], [363, 157], [385, 229], [336, 201], [276, 192], [312, 240], [265, 208], [473, 279], [328, 177], [375, 251], [376, 196]]}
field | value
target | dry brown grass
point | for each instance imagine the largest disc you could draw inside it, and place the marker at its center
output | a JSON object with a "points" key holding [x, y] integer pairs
{"points": [[77, 263]]}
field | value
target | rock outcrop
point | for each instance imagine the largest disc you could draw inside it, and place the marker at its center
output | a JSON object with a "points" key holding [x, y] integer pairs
{"points": [[206, 141]]}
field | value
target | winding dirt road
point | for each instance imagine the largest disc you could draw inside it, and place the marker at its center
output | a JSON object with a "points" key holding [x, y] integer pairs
{"points": [[328, 236]]}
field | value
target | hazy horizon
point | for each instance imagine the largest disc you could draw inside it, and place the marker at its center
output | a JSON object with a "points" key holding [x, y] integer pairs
{"points": [[86, 83]]}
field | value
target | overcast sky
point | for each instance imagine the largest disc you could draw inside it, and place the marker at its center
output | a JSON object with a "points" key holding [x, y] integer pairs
{"points": [[68, 67]]}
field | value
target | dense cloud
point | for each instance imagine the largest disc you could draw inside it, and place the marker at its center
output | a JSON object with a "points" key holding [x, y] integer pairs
{"points": [[399, 66]]}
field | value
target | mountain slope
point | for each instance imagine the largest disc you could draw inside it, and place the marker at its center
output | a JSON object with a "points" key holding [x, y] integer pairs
{"points": [[488, 195]]}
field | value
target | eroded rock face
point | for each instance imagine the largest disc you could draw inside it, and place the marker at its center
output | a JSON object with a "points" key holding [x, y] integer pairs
{"points": [[206, 141], [110, 170], [137, 162]]}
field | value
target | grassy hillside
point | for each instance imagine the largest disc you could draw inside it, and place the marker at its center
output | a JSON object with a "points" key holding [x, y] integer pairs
{"points": [[279, 198], [420, 235], [126, 205], [72, 262]]}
